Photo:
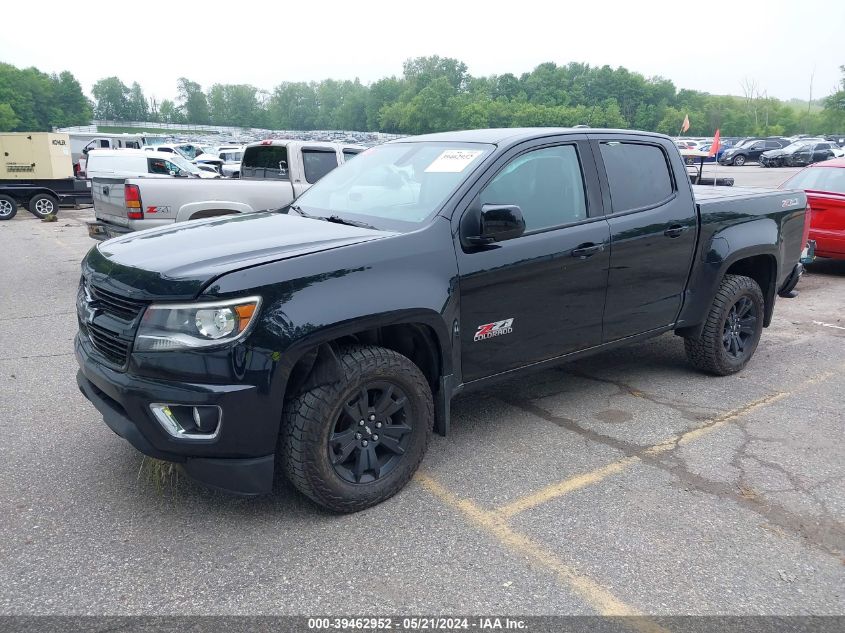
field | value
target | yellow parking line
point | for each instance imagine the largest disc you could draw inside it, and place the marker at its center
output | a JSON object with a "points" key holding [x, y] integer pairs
{"points": [[566, 486], [599, 598], [556, 490]]}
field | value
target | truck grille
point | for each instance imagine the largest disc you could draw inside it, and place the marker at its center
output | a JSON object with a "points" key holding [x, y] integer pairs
{"points": [[109, 320], [113, 304], [109, 344]]}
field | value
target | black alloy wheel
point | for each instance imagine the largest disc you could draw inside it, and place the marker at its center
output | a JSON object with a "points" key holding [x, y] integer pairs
{"points": [[372, 433], [740, 327]]}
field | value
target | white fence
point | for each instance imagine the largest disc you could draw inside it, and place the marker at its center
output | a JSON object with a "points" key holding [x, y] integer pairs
{"points": [[215, 129]]}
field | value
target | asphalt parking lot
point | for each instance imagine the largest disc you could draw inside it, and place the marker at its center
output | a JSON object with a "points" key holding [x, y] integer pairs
{"points": [[625, 483]]}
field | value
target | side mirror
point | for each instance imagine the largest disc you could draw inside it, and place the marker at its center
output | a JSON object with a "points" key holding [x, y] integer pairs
{"points": [[172, 173], [499, 222]]}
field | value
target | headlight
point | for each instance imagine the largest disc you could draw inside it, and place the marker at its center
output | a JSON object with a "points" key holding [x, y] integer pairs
{"points": [[191, 325]]}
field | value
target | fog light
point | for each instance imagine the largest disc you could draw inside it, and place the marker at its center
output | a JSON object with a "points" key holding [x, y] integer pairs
{"points": [[187, 422]]}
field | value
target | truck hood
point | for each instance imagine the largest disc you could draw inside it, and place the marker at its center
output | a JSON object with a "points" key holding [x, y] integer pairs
{"points": [[178, 261]]}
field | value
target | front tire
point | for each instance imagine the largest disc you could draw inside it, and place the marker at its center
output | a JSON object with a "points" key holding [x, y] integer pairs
{"points": [[354, 443], [43, 205], [739, 161], [732, 330], [8, 207]]}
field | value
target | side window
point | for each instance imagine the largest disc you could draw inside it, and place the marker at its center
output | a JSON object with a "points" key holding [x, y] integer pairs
{"points": [[638, 175], [773, 145], [104, 143], [157, 166], [546, 184], [318, 164], [349, 154], [265, 161]]}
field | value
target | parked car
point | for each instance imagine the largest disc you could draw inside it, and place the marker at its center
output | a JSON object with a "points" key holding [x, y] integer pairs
{"points": [[198, 154], [303, 162], [824, 184], [328, 341], [750, 150], [132, 163], [124, 203], [231, 157], [811, 152]]}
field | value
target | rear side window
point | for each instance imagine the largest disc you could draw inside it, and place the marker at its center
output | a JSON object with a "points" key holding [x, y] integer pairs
{"points": [[638, 175], [318, 164], [265, 161]]}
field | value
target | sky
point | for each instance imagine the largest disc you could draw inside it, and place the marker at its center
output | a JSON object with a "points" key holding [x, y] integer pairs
{"points": [[713, 46]]}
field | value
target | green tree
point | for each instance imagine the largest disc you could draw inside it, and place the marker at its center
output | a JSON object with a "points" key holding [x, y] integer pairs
{"points": [[169, 113], [193, 102], [8, 119], [137, 108], [112, 97]]}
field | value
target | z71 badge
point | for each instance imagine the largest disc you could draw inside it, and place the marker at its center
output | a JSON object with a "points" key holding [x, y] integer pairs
{"points": [[489, 330]]}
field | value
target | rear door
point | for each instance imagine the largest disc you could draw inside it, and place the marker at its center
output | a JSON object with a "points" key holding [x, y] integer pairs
{"points": [[653, 226], [537, 296]]}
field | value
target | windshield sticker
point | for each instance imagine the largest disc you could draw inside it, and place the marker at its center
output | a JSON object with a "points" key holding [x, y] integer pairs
{"points": [[453, 161]]}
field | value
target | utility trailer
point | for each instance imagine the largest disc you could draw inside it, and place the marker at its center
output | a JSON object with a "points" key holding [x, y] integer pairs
{"points": [[36, 172]]}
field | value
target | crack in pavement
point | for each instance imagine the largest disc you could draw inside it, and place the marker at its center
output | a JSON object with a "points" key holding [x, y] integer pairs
{"points": [[824, 532]]}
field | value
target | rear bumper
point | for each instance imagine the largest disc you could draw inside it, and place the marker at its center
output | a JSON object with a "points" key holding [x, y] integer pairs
{"points": [[103, 231], [123, 401], [829, 243]]}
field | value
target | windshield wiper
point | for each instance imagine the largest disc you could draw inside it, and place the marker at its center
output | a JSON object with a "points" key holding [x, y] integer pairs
{"points": [[298, 209], [339, 220]]}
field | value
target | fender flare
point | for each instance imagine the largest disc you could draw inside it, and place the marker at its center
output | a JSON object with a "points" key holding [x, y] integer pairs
{"points": [[187, 210]]}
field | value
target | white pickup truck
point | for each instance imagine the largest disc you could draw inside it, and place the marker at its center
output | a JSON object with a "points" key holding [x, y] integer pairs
{"points": [[123, 205]]}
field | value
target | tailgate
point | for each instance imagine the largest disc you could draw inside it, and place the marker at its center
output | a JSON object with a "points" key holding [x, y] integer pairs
{"points": [[109, 205]]}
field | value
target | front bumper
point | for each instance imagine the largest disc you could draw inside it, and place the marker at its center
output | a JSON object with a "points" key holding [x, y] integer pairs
{"points": [[227, 463]]}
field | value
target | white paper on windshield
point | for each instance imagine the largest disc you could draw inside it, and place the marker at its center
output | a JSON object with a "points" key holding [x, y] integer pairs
{"points": [[453, 161]]}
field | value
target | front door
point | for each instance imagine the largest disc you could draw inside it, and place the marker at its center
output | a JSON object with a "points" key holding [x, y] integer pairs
{"points": [[540, 295], [653, 226]]}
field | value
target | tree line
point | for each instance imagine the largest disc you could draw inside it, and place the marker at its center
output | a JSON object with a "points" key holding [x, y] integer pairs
{"points": [[432, 94]]}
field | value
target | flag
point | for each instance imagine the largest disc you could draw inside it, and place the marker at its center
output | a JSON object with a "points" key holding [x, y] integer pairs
{"points": [[685, 124], [714, 148]]}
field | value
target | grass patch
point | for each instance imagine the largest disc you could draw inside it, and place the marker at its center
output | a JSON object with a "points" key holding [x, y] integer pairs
{"points": [[160, 474], [147, 130]]}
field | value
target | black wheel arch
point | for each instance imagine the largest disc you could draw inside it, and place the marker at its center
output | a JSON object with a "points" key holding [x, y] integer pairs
{"points": [[761, 267], [313, 360]]}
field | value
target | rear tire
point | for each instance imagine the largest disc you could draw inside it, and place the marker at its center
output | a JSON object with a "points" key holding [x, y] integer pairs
{"points": [[732, 329], [43, 205], [8, 207], [351, 444]]}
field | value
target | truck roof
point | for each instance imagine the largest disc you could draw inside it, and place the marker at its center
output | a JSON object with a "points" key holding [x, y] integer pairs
{"points": [[497, 136], [290, 141]]}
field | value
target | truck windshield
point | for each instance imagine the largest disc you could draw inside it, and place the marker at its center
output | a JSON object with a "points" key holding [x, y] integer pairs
{"points": [[402, 182]]}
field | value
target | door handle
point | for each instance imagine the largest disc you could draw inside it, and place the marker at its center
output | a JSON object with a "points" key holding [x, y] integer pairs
{"points": [[674, 231], [589, 249]]}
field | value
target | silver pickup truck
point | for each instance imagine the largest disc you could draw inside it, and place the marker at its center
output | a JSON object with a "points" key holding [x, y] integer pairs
{"points": [[123, 205]]}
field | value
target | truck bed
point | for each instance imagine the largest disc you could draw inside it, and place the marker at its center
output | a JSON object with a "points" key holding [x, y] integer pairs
{"points": [[168, 200]]}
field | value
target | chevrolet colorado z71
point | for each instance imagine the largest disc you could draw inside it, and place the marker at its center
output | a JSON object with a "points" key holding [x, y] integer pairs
{"points": [[328, 339]]}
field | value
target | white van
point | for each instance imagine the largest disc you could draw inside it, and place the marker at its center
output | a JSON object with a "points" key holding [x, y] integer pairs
{"points": [[134, 163]]}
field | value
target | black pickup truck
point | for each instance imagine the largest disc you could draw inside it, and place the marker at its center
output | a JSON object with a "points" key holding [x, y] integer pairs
{"points": [[328, 338]]}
